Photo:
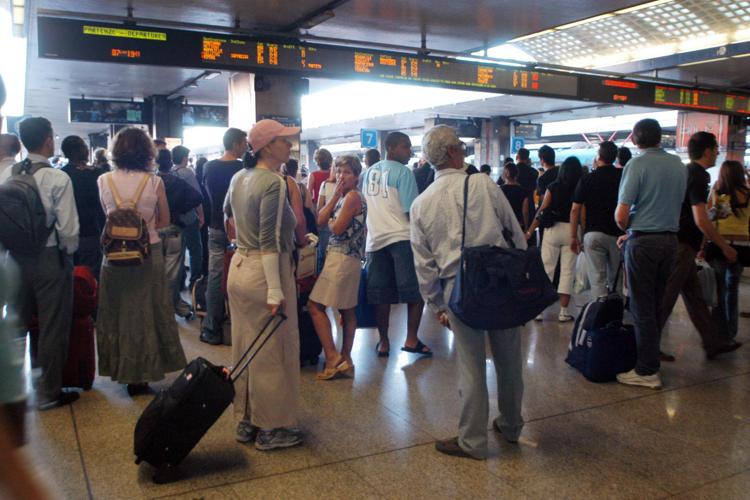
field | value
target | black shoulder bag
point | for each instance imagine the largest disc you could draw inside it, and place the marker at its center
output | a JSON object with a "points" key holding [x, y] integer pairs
{"points": [[498, 288]]}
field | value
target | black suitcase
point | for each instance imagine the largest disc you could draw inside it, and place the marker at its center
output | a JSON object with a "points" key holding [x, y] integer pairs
{"points": [[309, 342], [178, 417]]}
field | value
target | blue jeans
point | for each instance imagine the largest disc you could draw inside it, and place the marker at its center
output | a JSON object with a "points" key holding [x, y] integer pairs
{"points": [[727, 290], [191, 239], [649, 260], [217, 244]]}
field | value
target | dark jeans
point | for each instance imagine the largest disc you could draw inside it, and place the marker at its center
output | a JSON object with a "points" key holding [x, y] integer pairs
{"points": [[47, 289], [217, 244], [684, 281], [191, 240], [89, 254], [725, 314], [649, 261]]}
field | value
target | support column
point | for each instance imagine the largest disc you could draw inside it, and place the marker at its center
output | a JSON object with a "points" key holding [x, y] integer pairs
{"points": [[737, 139], [730, 132], [241, 100], [280, 98]]}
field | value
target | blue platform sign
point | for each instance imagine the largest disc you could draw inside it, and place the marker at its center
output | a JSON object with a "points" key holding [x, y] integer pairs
{"points": [[369, 138], [518, 143]]}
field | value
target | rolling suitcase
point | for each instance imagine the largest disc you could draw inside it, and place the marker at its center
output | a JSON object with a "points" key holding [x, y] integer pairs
{"points": [[601, 353], [178, 417], [309, 342]]}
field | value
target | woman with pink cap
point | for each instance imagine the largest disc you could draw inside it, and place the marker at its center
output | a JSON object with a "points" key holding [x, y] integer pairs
{"points": [[261, 283]]}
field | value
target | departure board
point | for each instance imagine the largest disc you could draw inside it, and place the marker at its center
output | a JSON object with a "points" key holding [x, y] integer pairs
{"points": [[129, 44]]}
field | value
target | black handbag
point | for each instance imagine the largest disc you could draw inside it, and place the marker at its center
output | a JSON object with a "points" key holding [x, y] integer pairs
{"points": [[498, 288]]}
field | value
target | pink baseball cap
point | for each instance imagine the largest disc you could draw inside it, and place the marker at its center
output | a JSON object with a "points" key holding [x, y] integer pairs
{"points": [[265, 131]]}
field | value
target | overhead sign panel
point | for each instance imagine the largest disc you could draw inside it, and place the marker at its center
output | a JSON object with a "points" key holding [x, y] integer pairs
{"points": [[103, 42], [368, 138], [104, 111]]}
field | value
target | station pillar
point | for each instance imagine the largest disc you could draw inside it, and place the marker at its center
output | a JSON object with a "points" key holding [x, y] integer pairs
{"points": [[166, 117], [494, 143], [241, 90], [730, 132]]}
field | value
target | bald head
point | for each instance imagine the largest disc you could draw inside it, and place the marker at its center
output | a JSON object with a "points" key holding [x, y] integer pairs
{"points": [[10, 146]]}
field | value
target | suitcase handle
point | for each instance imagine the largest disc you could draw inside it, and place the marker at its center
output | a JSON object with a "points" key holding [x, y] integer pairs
{"points": [[242, 366]]}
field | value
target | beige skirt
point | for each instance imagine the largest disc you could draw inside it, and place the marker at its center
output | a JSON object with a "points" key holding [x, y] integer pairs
{"points": [[338, 284]]}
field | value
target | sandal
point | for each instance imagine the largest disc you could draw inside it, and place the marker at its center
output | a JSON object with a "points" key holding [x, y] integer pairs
{"points": [[420, 348], [381, 354], [331, 373]]}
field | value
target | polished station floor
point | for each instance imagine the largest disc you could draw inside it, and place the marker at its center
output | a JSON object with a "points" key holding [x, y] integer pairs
{"points": [[374, 435]]}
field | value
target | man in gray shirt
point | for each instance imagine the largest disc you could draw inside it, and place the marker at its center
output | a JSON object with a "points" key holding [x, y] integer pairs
{"points": [[436, 218], [193, 220]]}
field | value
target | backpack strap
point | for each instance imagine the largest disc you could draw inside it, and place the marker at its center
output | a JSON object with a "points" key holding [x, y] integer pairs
{"points": [[139, 191], [116, 195], [28, 167]]}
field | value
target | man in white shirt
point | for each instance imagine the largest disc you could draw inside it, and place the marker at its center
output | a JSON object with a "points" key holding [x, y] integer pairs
{"points": [[390, 188], [10, 146], [47, 277], [436, 228]]}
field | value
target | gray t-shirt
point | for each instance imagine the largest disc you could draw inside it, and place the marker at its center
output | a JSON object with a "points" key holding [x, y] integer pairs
{"points": [[257, 200]]}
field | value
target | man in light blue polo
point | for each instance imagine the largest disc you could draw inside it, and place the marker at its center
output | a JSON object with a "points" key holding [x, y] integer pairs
{"points": [[649, 203]]}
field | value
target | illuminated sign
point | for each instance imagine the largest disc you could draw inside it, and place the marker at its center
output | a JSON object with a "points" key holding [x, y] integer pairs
{"points": [[102, 42], [104, 111]]}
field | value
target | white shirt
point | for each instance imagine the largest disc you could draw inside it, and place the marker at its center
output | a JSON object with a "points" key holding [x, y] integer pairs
{"points": [[56, 192], [6, 162], [436, 217]]}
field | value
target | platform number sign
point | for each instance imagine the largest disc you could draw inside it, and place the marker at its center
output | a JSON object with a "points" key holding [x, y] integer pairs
{"points": [[518, 143], [369, 138]]}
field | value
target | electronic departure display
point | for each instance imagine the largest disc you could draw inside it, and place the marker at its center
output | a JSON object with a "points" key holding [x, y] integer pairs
{"points": [[102, 42]]}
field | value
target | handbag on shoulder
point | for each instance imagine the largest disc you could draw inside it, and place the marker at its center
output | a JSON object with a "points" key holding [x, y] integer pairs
{"points": [[498, 288]]}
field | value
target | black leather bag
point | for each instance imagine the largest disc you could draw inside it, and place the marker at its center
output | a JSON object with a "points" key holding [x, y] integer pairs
{"points": [[498, 288]]}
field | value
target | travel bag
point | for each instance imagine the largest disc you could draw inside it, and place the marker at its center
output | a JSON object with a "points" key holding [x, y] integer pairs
{"points": [[602, 311], [309, 342], [601, 353], [178, 417], [365, 312]]}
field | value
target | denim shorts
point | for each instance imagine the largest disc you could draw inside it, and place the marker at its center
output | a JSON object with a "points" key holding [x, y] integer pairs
{"points": [[391, 278]]}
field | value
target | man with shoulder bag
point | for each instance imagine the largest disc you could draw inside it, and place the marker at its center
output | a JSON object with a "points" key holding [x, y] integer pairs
{"points": [[436, 227]]}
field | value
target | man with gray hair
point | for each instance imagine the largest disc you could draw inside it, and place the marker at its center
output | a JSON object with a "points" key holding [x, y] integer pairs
{"points": [[10, 146], [436, 217]]}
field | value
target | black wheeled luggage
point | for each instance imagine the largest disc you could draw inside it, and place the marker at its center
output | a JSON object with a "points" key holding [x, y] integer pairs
{"points": [[178, 417]]}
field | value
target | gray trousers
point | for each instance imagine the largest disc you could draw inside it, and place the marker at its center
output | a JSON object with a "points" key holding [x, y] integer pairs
{"points": [[47, 289], [604, 259], [174, 256], [649, 261], [505, 346], [215, 311]]}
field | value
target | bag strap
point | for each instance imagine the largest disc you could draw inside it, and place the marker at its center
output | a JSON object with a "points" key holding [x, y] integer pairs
{"points": [[242, 364], [617, 278], [116, 195]]}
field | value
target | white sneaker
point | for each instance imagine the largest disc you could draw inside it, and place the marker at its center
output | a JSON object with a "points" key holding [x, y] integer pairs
{"points": [[564, 317], [632, 378], [539, 317]]}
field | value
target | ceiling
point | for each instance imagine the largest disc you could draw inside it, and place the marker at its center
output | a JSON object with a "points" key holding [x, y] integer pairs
{"points": [[448, 25]]}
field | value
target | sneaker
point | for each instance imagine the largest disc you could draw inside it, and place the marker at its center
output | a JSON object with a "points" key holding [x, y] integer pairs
{"points": [[65, 398], [210, 338], [452, 448], [632, 378], [277, 438], [564, 317], [246, 432]]}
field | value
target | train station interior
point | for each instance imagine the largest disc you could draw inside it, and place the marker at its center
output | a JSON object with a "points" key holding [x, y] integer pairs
{"points": [[506, 76]]}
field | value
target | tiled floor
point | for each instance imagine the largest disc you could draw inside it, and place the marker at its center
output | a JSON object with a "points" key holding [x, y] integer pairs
{"points": [[373, 436]]}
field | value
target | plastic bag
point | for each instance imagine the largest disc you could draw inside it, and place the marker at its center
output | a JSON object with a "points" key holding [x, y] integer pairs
{"points": [[581, 281]]}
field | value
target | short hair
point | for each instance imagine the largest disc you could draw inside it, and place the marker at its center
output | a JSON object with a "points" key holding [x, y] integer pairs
{"points": [[623, 155], [435, 144], [523, 154], [100, 155], [159, 141], [9, 145], [179, 153], [350, 161], [372, 156], [164, 160], [608, 152], [511, 171], [34, 132], [291, 167], [547, 155], [75, 149], [485, 169], [698, 144], [133, 149], [233, 136], [508, 160], [393, 139], [647, 133], [324, 158]]}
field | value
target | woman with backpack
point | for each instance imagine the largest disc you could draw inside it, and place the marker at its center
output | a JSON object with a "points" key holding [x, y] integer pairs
{"points": [[729, 205], [554, 216], [137, 337]]}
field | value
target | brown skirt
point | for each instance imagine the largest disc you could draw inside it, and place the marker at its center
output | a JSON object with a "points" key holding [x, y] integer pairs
{"points": [[338, 284]]}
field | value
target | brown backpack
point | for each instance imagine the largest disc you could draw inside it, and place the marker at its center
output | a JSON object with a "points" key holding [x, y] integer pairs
{"points": [[125, 239]]}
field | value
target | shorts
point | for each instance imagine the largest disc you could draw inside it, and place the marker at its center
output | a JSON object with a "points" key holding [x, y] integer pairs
{"points": [[391, 278]]}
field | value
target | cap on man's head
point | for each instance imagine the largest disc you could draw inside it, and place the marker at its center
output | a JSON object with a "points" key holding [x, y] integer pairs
{"points": [[264, 131]]}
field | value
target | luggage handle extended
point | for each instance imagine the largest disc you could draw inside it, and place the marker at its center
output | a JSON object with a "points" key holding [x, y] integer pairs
{"points": [[242, 366]]}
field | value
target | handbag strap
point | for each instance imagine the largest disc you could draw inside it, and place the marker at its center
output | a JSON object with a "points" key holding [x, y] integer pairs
{"points": [[507, 234], [242, 366]]}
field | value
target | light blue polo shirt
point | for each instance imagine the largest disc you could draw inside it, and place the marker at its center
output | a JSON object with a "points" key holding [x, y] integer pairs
{"points": [[654, 185]]}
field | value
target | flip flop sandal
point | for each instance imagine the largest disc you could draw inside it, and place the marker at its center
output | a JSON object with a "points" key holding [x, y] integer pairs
{"points": [[381, 354], [417, 349]]}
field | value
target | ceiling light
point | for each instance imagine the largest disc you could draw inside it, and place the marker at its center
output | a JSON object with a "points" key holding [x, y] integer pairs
{"points": [[642, 6], [701, 62], [583, 21]]}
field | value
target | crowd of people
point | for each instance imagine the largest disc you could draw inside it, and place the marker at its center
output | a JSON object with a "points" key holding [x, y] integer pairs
{"points": [[641, 220]]}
